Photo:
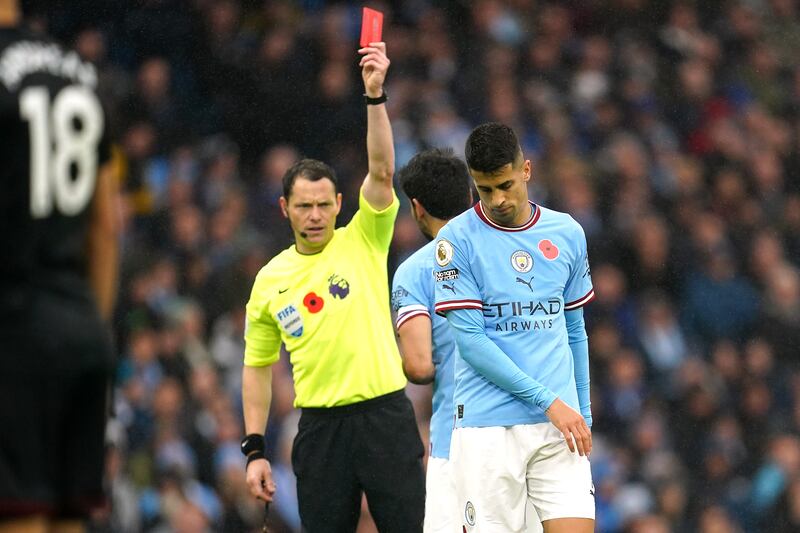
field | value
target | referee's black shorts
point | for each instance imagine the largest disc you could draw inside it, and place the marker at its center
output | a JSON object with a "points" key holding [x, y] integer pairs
{"points": [[55, 365], [372, 447]]}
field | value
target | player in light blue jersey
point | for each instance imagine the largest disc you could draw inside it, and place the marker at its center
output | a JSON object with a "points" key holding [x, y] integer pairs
{"points": [[438, 185], [511, 278]]}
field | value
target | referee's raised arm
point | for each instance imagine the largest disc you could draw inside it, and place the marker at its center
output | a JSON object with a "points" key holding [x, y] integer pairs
{"points": [[377, 187]]}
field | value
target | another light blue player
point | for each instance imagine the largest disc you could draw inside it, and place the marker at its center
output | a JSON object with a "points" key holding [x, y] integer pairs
{"points": [[511, 277], [438, 185]]}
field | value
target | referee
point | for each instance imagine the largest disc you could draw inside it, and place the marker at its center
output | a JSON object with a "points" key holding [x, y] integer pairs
{"points": [[327, 299]]}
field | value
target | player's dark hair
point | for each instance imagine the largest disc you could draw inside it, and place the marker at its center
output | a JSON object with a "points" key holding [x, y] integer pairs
{"points": [[439, 181], [491, 146], [309, 169]]}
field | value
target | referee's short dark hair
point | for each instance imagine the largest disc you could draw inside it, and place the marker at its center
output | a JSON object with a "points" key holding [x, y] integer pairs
{"points": [[439, 181], [309, 169], [491, 146]]}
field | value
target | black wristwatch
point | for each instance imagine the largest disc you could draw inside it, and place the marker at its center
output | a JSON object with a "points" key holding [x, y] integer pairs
{"points": [[253, 443], [375, 101], [253, 448]]}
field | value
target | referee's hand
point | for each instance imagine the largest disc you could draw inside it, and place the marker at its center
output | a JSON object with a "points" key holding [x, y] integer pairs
{"points": [[374, 65], [259, 479], [572, 425]]}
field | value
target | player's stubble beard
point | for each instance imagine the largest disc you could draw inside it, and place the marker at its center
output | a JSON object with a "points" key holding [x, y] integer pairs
{"points": [[514, 211], [425, 231], [503, 217], [423, 227], [506, 217]]}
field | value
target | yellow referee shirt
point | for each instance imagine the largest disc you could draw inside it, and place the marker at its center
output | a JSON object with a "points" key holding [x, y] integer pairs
{"points": [[331, 310]]}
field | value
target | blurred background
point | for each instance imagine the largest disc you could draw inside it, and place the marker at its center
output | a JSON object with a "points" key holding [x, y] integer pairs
{"points": [[669, 129]]}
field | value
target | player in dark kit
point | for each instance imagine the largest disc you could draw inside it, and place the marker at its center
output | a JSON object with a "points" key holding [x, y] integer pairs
{"points": [[58, 239]]}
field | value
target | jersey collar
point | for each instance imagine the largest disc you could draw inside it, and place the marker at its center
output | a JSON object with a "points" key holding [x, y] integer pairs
{"points": [[529, 224]]}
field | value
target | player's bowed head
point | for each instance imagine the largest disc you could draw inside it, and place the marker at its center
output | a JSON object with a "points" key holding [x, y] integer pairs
{"points": [[501, 173]]}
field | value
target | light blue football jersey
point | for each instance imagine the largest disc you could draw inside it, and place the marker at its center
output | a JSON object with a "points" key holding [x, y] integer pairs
{"points": [[522, 279], [412, 295]]}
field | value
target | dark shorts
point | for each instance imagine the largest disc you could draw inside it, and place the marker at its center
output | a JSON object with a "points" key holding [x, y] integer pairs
{"points": [[372, 447], [55, 366]]}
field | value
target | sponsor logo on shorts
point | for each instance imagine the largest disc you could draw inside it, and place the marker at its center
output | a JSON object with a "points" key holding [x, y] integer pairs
{"points": [[522, 261], [469, 514], [446, 275]]}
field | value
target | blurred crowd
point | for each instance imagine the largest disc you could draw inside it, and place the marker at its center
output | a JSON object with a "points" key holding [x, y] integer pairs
{"points": [[670, 130]]}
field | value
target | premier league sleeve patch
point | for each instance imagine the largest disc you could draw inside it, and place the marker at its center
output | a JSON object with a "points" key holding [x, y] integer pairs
{"points": [[291, 321], [444, 252]]}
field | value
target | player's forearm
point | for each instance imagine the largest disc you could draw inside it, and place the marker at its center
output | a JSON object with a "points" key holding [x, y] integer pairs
{"points": [[417, 357], [103, 264], [256, 397], [477, 349], [416, 349], [103, 244], [418, 370], [579, 345]]}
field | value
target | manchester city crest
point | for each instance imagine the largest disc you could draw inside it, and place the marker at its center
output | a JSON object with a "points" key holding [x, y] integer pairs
{"points": [[522, 261], [469, 513]]}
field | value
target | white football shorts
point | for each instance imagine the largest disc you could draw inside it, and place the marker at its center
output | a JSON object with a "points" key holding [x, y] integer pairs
{"points": [[498, 470], [441, 505]]}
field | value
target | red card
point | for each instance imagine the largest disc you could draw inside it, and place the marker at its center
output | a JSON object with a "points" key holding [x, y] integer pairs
{"points": [[371, 27]]}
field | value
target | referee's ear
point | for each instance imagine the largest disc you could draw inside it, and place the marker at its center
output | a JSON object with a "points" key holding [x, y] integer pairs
{"points": [[283, 203]]}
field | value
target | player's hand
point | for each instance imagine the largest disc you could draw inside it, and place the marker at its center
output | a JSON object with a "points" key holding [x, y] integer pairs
{"points": [[259, 480], [572, 425], [374, 65]]}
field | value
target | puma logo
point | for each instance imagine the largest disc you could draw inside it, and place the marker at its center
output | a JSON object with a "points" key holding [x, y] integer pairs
{"points": [[528, 283], [449, 287]]}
